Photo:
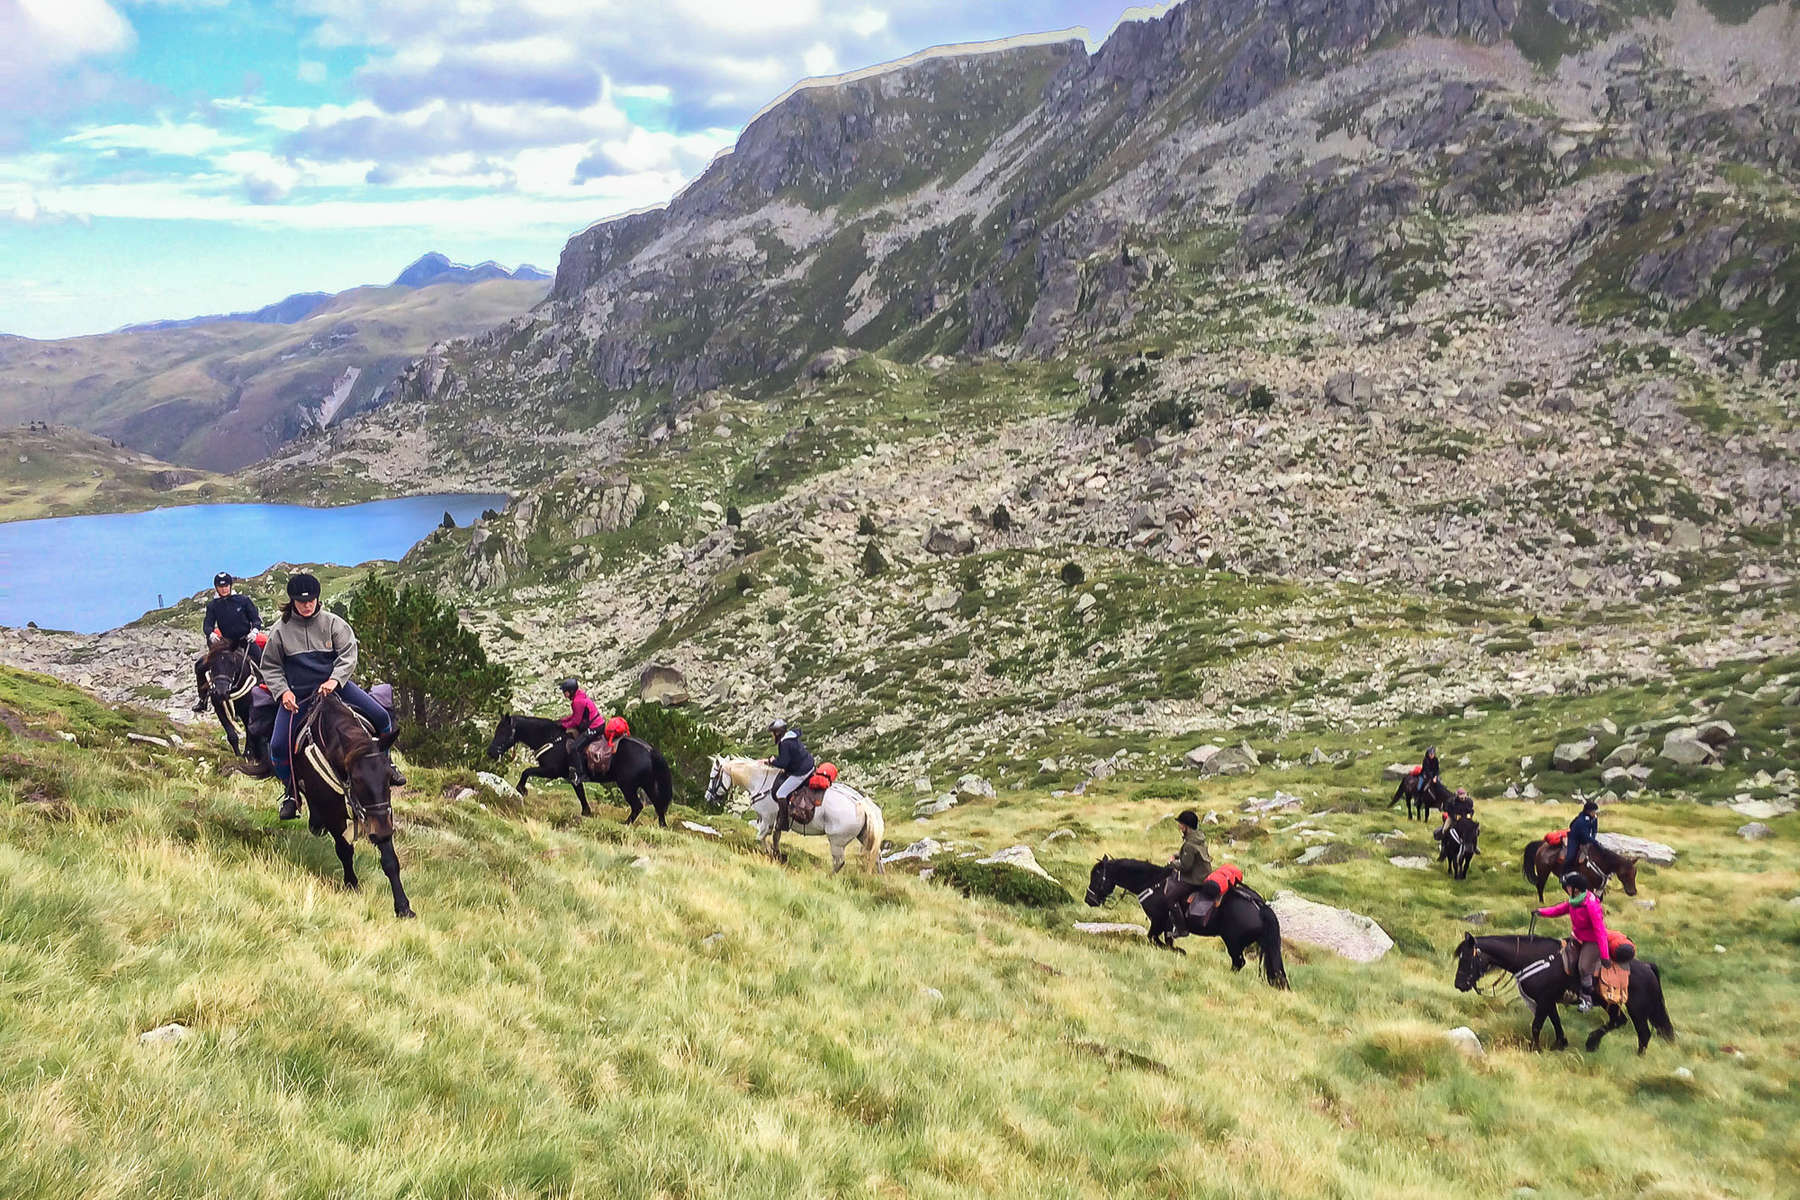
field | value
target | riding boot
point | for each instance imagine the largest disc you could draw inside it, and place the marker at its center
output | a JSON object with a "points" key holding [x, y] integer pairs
{"points": [[1584, 994], [386, 743], [290, 800]]}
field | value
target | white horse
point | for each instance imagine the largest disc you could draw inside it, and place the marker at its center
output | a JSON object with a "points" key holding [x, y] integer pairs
{"points": [[844, 816]]}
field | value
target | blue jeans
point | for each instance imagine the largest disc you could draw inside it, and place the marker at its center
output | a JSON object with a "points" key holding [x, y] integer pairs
{"points": [[280, 748]]}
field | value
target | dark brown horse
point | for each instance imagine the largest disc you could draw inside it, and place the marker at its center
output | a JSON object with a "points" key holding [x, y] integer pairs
{"points": [[1596, 864], [1421, 797], [231, 678], [352, 782], [1458, 844]]}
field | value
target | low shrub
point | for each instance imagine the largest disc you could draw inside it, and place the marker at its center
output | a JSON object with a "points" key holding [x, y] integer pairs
{"points": [[997, 881]]}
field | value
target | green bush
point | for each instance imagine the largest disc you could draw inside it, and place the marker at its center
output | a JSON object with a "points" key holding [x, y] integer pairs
{"points": [[873, 561], [686, 741], [997, 881], [1072, 575], [444, 685]]}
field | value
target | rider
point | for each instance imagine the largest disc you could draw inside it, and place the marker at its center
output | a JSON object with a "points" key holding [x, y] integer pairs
{"points": [[1584, 831], [1588, 921], [1461, 805], [231, 617], [1429, 771], [582, 723], [791, 758], [311, 652], [1192, 865]]}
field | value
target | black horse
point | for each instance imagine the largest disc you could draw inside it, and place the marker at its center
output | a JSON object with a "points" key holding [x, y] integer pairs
{"points": [[1536, 964], [1435, 795], [1243, 919], [231, 677], [357, 783], [1457, 845], [636, 765], [1597, 864]]}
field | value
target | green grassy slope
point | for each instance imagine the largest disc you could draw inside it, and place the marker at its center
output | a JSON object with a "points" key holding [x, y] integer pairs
{"points": [[587, 1010], [60, 472]]}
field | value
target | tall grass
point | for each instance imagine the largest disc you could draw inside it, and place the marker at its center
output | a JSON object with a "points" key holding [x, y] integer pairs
{"points": [[584, 1010]]}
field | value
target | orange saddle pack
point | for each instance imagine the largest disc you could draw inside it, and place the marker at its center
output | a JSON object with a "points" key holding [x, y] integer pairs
{"points": [[823, 777], [1556, 837], [1226, 877]]}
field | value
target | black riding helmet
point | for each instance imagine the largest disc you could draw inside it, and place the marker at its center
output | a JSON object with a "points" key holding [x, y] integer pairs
{"points": [[1574, 881], [570, 685], [223, 579], [303, 587]]}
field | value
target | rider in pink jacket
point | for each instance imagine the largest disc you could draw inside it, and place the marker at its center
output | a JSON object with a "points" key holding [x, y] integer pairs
{"points": [[1588, 921]]}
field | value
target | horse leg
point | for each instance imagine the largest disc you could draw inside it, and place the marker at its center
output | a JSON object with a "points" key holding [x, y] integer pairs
{"points": [[581, 795], [345, 855], [1614, 1019], [631, 797], [837, 854], [1537, 1025], [1641, 1023], [390, 866], [775, 846], [1236, 949], [526, 774], [1562, 1041]]}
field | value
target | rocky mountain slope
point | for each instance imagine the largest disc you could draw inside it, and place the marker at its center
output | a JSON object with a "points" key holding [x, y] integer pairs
{"points": [[57, 471], [1419, 353], [219, 395]]}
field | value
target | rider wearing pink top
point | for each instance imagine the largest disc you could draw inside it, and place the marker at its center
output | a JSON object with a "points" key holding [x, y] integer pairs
{"points": [[1588, 921]]}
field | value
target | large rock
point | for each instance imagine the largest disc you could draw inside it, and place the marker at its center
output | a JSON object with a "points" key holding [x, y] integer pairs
{"points": [[973, 787], [497, 785], [1762, 810], [1464, 1039], [1109, 928], [827, 363], [920, 851], [1622, 779], [1755, 831], [1279, 802], [949, 540], [662, 685], [1346, 934], [1395, 772], [1020, 857], [1576, 756], [932, 806], [1625, 754], [1347, 389], [172, 1034], [1228, 760], [1683, 746], [1642, 849]]}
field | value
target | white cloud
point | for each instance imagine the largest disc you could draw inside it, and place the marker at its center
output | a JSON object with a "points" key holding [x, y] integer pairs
{"points": [[310, 71], [45, 42], [820, 59], [165, 137]]}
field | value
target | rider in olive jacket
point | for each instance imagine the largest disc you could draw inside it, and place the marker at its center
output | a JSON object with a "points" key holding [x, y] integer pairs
{"points": [[1193, 863]]}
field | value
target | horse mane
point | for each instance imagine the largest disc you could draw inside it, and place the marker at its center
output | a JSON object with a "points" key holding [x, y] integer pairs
{"points": [[1609, 860], [547, 722], [341, 734]]}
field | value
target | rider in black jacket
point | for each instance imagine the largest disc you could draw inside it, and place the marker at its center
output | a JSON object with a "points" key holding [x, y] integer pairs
{"points": [[231, 617]]}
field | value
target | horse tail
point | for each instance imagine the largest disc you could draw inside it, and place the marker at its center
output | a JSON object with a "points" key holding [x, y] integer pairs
{"points": [[1530, 866], [1269, 942], [1659, 1012], [662, 784], [874, 829]]}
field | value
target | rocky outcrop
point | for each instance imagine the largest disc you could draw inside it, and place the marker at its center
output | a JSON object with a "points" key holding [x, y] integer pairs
{"points": [[1344, 933]]}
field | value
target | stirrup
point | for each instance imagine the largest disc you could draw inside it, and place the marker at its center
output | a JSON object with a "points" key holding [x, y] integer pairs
{"points": [[290, 808]]}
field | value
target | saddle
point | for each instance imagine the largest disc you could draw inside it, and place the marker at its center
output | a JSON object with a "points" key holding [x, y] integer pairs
{"points": [[600, 759], [805, 801], [1207, 898]]}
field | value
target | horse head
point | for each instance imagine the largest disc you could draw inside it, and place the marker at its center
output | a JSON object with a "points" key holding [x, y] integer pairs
{"points": [[504, 737], [1471, 964], [1627, 873], [226, 669], [1100, 884], [717, 783]]}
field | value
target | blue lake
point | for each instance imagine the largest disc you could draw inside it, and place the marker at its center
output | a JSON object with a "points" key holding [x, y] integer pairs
{"points": [[95, 573]]}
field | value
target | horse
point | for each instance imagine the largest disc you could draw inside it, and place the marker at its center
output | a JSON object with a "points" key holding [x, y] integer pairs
{"points": [[355, 781], [1458, 845], [845, 815], [1435, 796], [1243, 919], [1536, 965], [1596, 864], [231, 677], [636, 764]]}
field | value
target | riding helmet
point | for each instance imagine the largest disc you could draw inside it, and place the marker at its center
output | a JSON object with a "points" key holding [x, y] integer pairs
{"points": [[570, 685], [1575, 879], [223, 579], [778, 727], [303, 587]]}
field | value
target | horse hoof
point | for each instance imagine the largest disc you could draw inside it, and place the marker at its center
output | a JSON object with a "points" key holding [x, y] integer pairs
{"points": [[405, 914]]}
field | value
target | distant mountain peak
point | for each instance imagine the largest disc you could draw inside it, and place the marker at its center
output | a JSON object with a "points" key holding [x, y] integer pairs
{"points": [[437, 268]]}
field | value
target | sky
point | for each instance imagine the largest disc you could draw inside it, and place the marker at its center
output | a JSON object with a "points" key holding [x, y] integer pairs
{"points": [[167, 158]]}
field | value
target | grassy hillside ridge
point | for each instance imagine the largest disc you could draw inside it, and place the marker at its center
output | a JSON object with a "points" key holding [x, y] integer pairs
{"points": [[57, 471], [222, 395], [588, 1010]]}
